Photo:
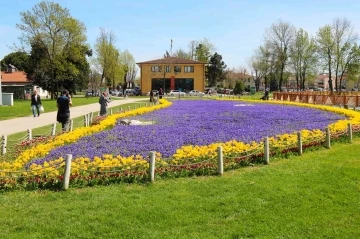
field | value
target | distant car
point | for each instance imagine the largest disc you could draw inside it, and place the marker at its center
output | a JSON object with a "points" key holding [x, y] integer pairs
{"points": [[176, 93], [195, 93], [88, 93], [129, 92]]}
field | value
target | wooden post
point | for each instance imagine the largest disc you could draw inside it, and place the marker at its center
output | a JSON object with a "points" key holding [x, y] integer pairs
{"points": [[121, 110], [29, 131], [91, 117], [71, 125], [3, 144], [152, 166], [220, 161], [350, 132], [53, 132], [266, 150], [67, 171], [129, 107], [85, 120], [328, 142], [299, 143], [111, 111]]}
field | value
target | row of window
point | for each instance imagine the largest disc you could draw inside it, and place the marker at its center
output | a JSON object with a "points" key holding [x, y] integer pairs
{"points": [[177, 69]]}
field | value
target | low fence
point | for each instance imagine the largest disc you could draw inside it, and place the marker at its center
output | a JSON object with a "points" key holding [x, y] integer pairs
{"points": [[344, 99], [161, 167]]}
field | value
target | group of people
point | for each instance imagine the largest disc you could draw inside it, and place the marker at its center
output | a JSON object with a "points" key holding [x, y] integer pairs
{"points": [[63, 104]]}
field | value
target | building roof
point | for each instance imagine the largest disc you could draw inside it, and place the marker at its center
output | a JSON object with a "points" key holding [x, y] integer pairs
{"points": [[14, 77], [171, 60]]}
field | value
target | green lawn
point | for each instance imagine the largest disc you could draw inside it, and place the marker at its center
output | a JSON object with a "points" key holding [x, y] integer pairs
{"points": [[311, 196], [22, 108]]}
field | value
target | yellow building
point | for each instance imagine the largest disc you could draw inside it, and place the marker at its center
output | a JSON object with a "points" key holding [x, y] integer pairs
{"points": [[172, 73]]}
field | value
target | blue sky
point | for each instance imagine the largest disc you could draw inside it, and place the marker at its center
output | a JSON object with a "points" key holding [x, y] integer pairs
{"points": [[145, 27]]}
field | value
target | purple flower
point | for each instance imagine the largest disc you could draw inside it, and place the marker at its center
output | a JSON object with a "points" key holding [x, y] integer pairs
{"points": [[196, 123]]}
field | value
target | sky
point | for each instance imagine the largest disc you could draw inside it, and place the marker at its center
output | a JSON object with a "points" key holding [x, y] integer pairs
{"points": [[145, 27]]}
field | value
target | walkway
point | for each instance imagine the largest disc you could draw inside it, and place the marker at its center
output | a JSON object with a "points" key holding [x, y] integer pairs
{"points": [[12, 126]]}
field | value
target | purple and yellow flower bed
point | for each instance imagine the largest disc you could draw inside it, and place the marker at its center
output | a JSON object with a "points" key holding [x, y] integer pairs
{"points": [[188, 132]]}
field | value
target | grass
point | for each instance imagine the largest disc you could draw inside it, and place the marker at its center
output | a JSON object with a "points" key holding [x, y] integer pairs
{"points": [[311, 196], [22, 108]]}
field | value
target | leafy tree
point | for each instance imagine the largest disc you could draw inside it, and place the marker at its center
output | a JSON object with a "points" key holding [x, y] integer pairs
{"points": [[19, 59], [180, 53], [107, 56], [279, 36], [239, 88], [216, 70], [303, 57], [51, 29], [204, 50]]}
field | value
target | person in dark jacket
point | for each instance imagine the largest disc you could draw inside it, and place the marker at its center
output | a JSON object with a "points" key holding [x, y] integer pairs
{"points": [[35, 103], [63, 115]]}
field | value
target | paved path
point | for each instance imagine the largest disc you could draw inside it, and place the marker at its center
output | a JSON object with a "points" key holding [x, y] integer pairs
{"points": [[12, 126]]}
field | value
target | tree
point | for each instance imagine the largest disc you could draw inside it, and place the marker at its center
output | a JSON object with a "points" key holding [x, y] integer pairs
{"points": [[303, 57], [326, 49], [279, 37], [107, 56], [19, 59], [128, 64], [180, 53], [204, 50], [239, 88], [216, 70], [51, 28]]}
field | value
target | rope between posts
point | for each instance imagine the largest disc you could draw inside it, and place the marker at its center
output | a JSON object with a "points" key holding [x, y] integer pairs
{"points": [[19, 139], [107, 171], [34, 170], [246, 155], [191, 164], [47, 132]]}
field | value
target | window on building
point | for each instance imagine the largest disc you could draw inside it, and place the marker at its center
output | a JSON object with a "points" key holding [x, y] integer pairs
{"points": [[167, 68], [188, 69], [156, 68], [177, 69]]}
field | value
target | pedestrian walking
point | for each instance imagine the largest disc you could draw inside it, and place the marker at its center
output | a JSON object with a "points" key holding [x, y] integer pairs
{"points": [[35, 103], [63, 115], [103, 101]]}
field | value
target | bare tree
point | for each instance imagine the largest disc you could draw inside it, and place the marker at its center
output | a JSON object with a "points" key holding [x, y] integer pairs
{"points": [[279, 37], [344, 39]]}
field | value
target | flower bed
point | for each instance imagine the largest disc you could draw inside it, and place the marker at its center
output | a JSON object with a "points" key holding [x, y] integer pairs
{"points": [[189, 132]]}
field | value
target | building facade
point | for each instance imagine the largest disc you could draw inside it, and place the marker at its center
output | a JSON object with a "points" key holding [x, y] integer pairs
{"points": [[16, 82], [171, 73]]}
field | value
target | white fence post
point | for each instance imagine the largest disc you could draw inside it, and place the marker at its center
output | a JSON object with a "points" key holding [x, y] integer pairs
{"points": [[350, 132], [299, 143], [91, 117], [121, 110], [85, 120], [71, 125], [220, 161], [266, 150], [3, 144], [129, 108], [328, 141], [53, 132], [111, 111], [29, 131], [152, 166], [67, 171]]}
